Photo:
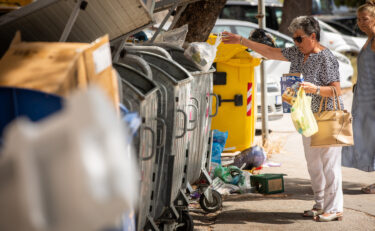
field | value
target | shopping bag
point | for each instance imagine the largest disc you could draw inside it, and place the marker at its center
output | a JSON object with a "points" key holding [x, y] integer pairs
{"points": [[302, 116], [335, 127]]}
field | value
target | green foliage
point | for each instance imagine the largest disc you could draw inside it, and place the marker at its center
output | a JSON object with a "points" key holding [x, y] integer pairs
{"points": [[351, 3]]}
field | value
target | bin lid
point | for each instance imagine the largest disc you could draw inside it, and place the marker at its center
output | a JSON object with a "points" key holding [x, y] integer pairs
{"points": [[177, 54], [136, 78], [45, 20], [175, 70], [225, 52]]}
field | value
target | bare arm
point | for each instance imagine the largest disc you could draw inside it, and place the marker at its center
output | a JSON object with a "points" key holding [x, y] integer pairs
{"points": [[266, 51], [325, 91]]}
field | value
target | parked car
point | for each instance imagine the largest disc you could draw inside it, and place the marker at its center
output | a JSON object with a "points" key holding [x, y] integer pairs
{"points": [[330, 37], [334, 40], [274, 68], [247, 10], [344, 29]]}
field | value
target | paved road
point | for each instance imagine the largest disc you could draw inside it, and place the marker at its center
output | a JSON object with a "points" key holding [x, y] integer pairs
{"points": [[283, 211]]}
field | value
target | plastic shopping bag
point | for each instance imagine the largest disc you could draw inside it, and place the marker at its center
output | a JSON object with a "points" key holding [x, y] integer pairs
{"points": [[173, 37], [202, 53], [302, 116]]}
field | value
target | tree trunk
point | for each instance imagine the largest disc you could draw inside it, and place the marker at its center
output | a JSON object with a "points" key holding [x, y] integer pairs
{"points": [[201, 17], [293, 9]]}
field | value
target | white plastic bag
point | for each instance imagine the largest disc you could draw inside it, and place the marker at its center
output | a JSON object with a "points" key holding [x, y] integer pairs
{"points": [[302, 116], [175, 37], [202, 53]]}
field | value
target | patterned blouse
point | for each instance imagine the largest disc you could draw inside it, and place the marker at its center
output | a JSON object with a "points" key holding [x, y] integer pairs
{"points": [[320, 69]]}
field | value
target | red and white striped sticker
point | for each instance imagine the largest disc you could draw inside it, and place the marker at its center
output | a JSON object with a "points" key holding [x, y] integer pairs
{"points": [[249, 98]]}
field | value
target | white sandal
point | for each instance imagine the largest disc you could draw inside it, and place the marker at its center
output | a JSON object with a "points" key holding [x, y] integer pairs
{"points": [[331, 217]]}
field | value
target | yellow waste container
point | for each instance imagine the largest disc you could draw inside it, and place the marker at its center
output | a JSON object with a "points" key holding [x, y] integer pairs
{"points": [[236, 89]]}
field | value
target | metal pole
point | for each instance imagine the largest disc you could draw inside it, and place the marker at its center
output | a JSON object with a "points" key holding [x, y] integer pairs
{"points": [[178, 15], [263, 82], [80, 5], [164, 21]]}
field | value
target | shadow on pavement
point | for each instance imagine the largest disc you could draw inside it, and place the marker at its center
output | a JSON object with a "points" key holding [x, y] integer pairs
{"points": [[294, 188], [243, 216]]}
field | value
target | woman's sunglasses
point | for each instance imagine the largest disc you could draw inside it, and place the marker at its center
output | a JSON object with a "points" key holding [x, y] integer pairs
{"points": [[298, 39]]}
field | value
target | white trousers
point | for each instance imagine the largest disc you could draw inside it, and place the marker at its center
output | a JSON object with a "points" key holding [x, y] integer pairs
{"points": [[324, 166]]}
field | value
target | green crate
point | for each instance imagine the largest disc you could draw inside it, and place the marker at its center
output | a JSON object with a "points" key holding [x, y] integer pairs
{"points": [[268, 183]]}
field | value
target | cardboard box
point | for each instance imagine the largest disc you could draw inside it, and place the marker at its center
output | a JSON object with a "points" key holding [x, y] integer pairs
{"points": [[59, 68], [289, 88]]}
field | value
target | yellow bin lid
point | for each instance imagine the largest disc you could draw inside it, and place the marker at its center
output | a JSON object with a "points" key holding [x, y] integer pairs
{"points": [[226, 52]]}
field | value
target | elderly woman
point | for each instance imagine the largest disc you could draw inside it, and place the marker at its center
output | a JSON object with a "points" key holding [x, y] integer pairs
{"points": [[320, 70], [362, 154]]}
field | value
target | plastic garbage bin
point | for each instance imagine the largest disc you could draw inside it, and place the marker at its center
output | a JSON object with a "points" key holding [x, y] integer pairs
{"points": [[236, 89]]}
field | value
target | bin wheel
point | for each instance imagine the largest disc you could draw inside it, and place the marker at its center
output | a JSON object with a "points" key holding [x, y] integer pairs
{"points": [[185, 222], [211, 207]]}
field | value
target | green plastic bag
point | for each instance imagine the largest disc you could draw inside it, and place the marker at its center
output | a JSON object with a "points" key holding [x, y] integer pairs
{"points": [[302, 116], [230, 174]]}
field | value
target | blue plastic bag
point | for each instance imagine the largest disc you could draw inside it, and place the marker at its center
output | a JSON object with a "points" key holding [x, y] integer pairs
{"points": [[132, 119], [219, 140], [250, 158]]}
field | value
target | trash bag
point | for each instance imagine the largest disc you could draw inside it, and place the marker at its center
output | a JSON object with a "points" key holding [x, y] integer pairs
{"points": [[220, 137], [173, 37], [217, 149], [250, 158], [132, 119], [230, 175], [202, 53], [302, 116], [219, 140]]}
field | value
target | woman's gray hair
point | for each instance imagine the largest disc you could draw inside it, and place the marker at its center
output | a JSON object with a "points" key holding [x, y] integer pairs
{"points": [[307, 24]]}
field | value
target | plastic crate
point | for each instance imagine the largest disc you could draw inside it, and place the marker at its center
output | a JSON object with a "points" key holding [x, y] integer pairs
{"points": [[268, 183]]}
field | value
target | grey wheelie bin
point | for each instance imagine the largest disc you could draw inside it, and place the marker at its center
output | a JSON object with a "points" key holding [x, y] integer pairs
{"points": [[139, 94], [174, 83], [202, 93]]}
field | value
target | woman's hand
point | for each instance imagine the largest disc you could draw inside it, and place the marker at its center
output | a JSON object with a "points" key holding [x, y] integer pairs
{"points": [[309, 87], [229, 38]]}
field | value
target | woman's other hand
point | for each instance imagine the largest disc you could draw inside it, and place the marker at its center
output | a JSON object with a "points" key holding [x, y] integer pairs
{"points": [[309, 87], [229, 38]]}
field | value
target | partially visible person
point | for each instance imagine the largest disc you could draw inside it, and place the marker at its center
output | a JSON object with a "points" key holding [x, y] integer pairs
{"points": [[320, 70], [362, 154]]}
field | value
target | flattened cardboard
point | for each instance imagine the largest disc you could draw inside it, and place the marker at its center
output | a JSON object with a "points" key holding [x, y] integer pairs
{"points": [[58, 68]]}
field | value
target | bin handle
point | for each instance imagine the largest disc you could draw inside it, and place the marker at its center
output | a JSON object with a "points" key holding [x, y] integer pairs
{"points": [[196, 100], [217, 104], [196, 108], [196, 118], [185, 123], [146, 128], [164, 132], [163, 99]]}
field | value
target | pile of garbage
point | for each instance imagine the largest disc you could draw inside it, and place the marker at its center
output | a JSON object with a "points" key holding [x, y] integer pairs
{"points": [[236, 177]]}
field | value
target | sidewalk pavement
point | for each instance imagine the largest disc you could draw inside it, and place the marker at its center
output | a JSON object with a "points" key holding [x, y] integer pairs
{"points": [[284, 211]]}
